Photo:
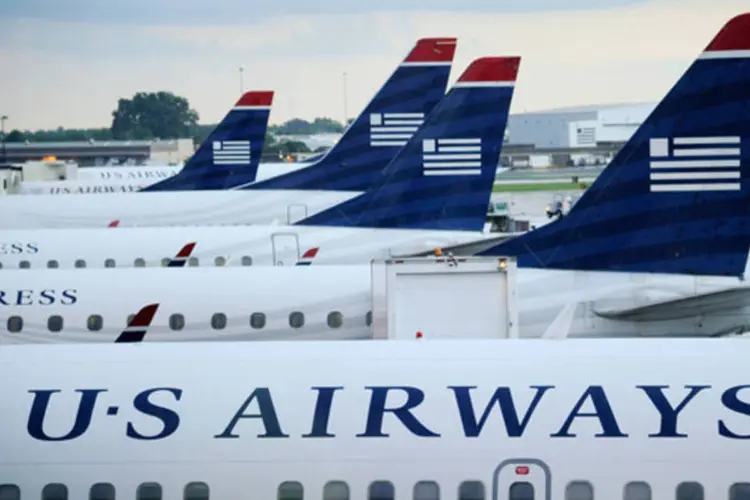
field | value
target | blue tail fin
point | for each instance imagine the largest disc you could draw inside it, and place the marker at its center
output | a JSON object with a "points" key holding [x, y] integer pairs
{"points": [[231, 154], [676, 198], [356, 161], [443, 177]]}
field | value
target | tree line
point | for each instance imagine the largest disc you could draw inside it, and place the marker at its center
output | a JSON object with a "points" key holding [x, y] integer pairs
{"points": [[164, 115]]}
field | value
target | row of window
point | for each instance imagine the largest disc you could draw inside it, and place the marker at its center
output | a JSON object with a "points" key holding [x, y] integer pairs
{"points": [[219, 261], [95, 322], [384, 490]]}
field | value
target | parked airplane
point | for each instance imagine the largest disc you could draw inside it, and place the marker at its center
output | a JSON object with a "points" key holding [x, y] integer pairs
{"points": [[682, 280], [473, 420], [352, 166], [433, 194]]}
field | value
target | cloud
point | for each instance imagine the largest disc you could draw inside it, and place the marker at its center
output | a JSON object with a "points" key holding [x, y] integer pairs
{"points": [[72, 73]]}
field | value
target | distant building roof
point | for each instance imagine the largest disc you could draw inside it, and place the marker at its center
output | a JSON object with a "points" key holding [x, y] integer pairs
{"points": [[585, 108]]}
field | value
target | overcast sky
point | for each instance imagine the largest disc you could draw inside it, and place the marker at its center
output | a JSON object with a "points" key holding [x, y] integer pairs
{"points": [[66, 62]]}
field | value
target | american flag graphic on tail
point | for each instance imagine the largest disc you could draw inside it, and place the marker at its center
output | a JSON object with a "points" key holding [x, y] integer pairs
{"points": [[231, 152], [695, 164], [393, 129], [452, 156]]}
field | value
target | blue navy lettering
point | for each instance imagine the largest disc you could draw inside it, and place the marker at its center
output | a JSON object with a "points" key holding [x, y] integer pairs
{"points": [[669, 414], [45, 297], [17, 247], [40, 405], [266, 412], [731, 400], [504, 399], [602, 411], [377, 410], [169, 418], [322, 413]]}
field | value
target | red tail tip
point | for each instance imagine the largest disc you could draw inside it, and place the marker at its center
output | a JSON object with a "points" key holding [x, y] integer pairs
{"points": [[419, 335], [433, 50], [256, 98], [311, 253], [114, 223], [492, 69], [144, 316], [735, 35], [186, 250]]}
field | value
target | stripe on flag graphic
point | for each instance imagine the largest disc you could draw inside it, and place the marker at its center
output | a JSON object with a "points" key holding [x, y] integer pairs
{"points": [[452, 156], [231, 152], [695, 164], [393, 129]]}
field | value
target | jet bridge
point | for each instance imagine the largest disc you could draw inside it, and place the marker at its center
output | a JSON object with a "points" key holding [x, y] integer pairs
{"points": [[444, 298]]}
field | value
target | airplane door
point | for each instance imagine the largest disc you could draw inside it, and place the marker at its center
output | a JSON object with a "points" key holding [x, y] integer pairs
{"points": [[522, 479], [296, 212], [285, 247]]}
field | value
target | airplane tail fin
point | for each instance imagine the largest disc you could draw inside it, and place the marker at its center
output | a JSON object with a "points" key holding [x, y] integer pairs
{"points": [[308, 257], [138, 326], [443, 177], [231, 154], [366, 147], [676, 198], [182, 256]]}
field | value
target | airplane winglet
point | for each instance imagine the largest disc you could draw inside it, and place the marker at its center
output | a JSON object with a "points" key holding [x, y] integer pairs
{"points": [[733, 36], [432, 50], [255, 99], [138, 326], [114, 223], [182, 256], [485, 71], [308, 257]]}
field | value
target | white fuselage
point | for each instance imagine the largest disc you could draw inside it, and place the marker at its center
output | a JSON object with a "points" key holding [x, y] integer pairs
{"points": [[109, 180], [322, 302], [274, 418], [225, 246]]}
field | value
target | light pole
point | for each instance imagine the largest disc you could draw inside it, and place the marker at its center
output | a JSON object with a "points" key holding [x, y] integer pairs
{"points": [[346, 112], [242, 84], [2, 126]]}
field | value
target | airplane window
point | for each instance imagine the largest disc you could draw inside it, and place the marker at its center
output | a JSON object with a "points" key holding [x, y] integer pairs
{"points": [[257, 320], [139, 262], [10, 492], [1, 265], [102, 491], [177, 321], [53, 264], [637, 490], [193, 262], [381, 490], [80, 263], [95, 323], [247, 260], [471, 490], [689, 490], [335, 319], [219, 321], [55, 323], [15, 324], [579, 490], [521, 490], [426, 490], [24, 264], [109, 263], [196, 491], [368, 318], [55, 491], [149, 491], [290, 490], [336, 490], [739, 491], [165, 261], [220, 261], [296, 319]]}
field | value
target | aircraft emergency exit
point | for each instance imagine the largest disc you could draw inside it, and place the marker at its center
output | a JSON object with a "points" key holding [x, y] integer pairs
{"points": [[346, 170], [473, 420], [434, 193]]}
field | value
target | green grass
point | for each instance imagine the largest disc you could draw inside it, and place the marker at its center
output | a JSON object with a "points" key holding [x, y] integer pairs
{"points": [[536, 186]]}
